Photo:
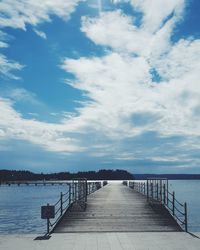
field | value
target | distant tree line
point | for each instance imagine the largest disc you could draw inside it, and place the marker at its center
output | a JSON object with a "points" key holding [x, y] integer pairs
{"points": [[168, 176], [104, 174]]}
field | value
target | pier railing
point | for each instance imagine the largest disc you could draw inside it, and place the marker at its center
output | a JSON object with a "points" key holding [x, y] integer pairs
{"points": [[157, 191], [60, 207], [77, 193]]}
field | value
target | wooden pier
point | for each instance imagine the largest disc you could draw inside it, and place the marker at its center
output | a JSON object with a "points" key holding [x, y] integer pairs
{"points": [[117, 208], [116, 217]]}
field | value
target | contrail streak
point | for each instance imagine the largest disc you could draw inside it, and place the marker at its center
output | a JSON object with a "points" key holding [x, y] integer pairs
{"points": [[100, 6]]}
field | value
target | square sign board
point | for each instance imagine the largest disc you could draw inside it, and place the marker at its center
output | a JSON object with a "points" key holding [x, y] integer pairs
{"points": [[47, 212]]}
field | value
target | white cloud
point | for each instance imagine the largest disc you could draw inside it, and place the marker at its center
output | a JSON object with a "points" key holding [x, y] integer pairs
{"points": [[3, 44], [117, 31], [48, 135], [121, 84], [4, 37], [182, 59], [20, 95], [156, 12], [7, 66], [125, 89], [40, 33], [114, 94], [124, 100], [19, 13]]}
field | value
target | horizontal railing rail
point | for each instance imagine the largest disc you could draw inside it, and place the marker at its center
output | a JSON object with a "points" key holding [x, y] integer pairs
{"points": [[156, 190], [60, 207], [77, 192]]}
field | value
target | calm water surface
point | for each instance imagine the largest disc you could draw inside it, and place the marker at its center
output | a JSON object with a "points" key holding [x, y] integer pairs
{"points": [[20, 206], [189, 191]]}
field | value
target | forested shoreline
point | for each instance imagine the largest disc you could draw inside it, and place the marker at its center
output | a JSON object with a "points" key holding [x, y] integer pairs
{"points": [[104, 174]]}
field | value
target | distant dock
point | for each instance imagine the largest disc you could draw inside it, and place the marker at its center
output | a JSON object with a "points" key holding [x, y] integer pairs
{"points": [[34, 183]]}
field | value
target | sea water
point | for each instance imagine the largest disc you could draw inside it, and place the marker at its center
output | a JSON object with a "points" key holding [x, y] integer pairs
{"points": [[20, 206], [189, 191]]}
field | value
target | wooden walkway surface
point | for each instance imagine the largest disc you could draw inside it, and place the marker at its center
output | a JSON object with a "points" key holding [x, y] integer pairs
{"points": [[117, 208]]}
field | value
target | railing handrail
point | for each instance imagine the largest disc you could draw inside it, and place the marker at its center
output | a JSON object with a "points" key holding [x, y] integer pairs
{"points": [[157, 192], [75, 195]]}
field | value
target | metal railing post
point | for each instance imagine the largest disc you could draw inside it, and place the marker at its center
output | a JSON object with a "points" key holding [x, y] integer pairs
{"points": [[48, 223], [61, 203], [161, 191], [69, 193], [157, 190], [86, 191], [173, 203], [164, 193], [186, 221], [72, 191], [147, 190]]}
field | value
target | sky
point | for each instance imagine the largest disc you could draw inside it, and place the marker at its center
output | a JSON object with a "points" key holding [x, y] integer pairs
{"points": [[100, 84]]}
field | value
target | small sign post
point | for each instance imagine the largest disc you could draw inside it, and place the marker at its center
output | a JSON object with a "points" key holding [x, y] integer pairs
{"points": [[48, 212]]}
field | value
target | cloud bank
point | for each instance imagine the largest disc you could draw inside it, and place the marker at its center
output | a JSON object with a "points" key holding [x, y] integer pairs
{"points": [[145, 84]]}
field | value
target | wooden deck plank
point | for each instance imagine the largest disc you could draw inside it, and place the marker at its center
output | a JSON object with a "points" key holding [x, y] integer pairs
{"points": [[117, 208]]}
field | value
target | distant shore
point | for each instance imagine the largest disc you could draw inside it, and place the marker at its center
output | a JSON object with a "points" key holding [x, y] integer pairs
{"points": [[168, 176], [104, 174]]}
